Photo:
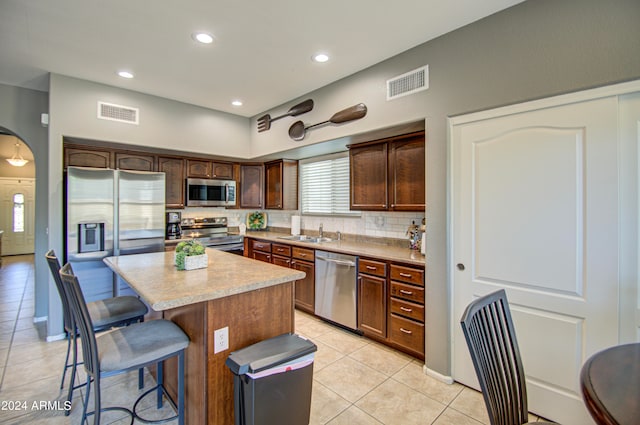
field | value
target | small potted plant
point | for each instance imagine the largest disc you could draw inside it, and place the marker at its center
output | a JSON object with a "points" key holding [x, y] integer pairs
{"points": [[190, 255]]}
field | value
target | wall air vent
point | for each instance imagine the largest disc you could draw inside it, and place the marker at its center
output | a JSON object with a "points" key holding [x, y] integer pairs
{"points": [[408, 83], [109, 111]]}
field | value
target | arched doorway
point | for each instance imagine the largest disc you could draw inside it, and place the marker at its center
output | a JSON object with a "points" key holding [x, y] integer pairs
{"points": [[17, 195]]}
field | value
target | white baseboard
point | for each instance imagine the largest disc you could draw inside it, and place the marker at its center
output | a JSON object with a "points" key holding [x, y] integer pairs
{"points": [[58, 337], [440, 377], [40, 319]]}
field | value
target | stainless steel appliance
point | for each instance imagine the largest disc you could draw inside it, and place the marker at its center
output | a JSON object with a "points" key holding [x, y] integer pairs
{"points": [[336, 288], [213, 232], [174, 231], [211, 193], [111, 212]]}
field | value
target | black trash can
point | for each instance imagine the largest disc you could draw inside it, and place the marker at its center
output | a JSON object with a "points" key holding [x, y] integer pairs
{"points": [[272, 381]]}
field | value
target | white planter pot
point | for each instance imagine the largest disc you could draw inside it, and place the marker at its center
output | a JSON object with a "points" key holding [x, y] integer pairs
{"points": [[196, 262]]}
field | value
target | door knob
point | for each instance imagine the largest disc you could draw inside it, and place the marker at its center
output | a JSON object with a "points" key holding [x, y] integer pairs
{"points": [[460, 266]]}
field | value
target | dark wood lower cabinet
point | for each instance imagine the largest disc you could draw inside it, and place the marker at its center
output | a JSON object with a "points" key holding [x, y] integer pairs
{"points": [[372, 308], [305, 289], [390, 295]]}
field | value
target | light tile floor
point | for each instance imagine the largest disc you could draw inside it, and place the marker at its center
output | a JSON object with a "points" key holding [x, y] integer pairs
{"points": [[356, 381]]}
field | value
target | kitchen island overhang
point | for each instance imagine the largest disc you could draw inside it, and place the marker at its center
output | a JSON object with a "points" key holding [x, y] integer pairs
{"points": [[253, 299]]}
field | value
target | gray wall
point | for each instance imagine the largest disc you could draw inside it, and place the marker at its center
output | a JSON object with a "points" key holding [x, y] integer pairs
{"points": [[20, 111], [535, 49]]}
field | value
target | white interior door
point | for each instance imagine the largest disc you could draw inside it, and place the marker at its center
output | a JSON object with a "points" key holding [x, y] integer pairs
{"points": [[17, 200], [629, 119], [536, 212]]}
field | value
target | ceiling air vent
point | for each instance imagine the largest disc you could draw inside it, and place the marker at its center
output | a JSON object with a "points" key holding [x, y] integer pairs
{"points": [[408, 83], [109, 111]]}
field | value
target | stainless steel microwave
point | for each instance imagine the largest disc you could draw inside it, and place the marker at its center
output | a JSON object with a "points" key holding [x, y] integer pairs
{"points": [[211, 193]]}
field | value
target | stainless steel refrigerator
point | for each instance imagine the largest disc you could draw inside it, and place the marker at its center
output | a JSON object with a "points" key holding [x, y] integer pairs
{"points": [[111, 212]]}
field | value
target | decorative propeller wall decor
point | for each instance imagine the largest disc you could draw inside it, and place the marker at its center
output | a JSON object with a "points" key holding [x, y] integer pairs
{"points": [[355, 112], [264, 122]]}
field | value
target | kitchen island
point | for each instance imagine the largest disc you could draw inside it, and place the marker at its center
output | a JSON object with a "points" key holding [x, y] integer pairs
{"points": [[254, 300]]}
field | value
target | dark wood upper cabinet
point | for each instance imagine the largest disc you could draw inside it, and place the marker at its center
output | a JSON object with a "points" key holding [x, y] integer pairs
{"points": [[368, 175], [209, 170], [251, 186], [174, 180], [407, 174], [388, 174], [222, 170], [136, 162], [79, 157], [198, 169], [281, 185]]}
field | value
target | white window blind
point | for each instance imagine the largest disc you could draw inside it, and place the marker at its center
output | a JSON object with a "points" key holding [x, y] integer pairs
{"points": [[324, 186]]}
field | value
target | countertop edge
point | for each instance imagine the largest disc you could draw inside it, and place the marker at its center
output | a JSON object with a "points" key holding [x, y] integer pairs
{"points": [[181, 302]]}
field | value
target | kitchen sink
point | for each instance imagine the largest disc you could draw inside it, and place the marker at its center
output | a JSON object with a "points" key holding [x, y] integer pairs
{"points": [[305, 238]]}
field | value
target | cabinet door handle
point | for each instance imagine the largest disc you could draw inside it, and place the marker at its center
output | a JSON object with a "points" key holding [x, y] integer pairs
{"points": [[405, 274], [405, 331], [402, 291], [408, 310], [280, 250], [372, 268], [303, 255]]}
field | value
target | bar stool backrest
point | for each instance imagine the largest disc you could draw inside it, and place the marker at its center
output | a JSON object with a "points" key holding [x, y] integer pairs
{"points": [[491, 338], [54, 266], [82, 319]]}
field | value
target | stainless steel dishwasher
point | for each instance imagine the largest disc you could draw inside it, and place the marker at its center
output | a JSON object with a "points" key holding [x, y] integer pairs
{"points": [[336, 288]]}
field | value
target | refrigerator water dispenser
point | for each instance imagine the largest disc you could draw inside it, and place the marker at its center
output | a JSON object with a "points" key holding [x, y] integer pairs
{"points": [[90, 237]]}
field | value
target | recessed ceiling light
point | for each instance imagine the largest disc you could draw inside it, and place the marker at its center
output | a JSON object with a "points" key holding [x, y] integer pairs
{"points": [[237, 103], [320, 57], [202, 37], [125, 74]]}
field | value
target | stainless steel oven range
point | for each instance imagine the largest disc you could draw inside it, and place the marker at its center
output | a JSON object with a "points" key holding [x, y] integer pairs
{"points": [[212, 232]]}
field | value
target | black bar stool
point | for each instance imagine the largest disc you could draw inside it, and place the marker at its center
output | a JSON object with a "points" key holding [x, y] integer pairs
{"points": [[124, 349], [105, 314]]}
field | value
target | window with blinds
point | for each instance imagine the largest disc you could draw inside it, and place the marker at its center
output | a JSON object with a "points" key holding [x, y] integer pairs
{"points": [[324, 185]]}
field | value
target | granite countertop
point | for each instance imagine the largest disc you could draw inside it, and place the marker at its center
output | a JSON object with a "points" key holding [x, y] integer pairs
{"points": [[155, 278], [362, 249]]}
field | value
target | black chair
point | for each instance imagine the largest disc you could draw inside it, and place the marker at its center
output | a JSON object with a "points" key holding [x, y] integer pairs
{"points": [[124, 349], [491, 338], [105, 314]]}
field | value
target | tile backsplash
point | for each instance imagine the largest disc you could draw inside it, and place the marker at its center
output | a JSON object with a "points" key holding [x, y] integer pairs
{"points": [[380, 224]]}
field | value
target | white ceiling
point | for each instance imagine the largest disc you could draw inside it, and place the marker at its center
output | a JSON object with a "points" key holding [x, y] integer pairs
{"points": [[262, 53]]}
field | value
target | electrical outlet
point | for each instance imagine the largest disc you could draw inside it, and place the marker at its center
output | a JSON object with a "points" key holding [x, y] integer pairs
{"points": [[221, 339]]}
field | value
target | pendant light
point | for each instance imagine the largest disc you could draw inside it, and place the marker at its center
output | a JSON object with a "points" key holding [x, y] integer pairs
{"points": [[17, 160]]}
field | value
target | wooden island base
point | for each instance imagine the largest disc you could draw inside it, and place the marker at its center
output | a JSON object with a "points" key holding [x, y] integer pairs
{"points": [[251, 317]]}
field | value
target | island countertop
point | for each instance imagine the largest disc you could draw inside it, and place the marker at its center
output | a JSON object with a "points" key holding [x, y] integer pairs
{"points": [[155, 278]]}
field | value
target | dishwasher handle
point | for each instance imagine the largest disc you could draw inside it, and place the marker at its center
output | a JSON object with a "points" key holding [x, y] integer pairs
{"points": [[347, 263]]}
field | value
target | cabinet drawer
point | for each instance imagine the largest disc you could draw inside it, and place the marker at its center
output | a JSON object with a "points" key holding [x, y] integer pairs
{"points": [[303, 253], [261, 246], [407, 309], [375, 268], [407, 292], [407, 333], [284, 250], [281, 261], [407, 274], [262, 256]]}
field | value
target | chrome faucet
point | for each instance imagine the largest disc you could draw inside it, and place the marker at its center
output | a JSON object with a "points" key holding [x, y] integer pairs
{"points": [[320, 231]]}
